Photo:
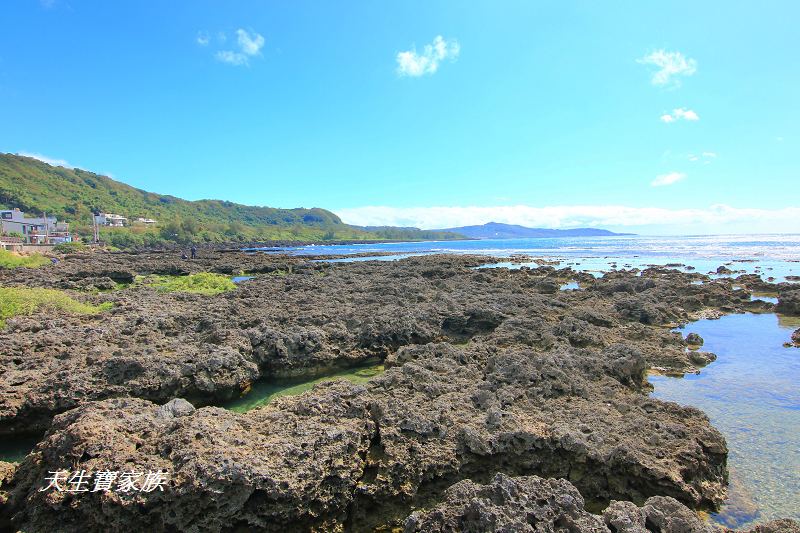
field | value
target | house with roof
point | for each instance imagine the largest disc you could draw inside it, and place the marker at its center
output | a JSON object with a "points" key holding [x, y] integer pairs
{"points": [[110, 219], [34, 230]]}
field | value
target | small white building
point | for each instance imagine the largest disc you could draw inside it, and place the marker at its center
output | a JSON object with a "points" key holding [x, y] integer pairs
{"points": [[34, 230], [110, 219], [146, 221]]}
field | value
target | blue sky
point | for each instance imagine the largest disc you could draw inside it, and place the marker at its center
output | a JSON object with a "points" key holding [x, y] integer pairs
{"points": [[671, 117]]}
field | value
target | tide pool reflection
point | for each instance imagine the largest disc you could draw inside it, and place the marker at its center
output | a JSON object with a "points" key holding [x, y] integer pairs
{"points": [[751, 395]]}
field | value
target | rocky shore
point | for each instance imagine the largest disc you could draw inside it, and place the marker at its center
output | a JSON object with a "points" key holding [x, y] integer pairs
{"points": [[507, 404]]}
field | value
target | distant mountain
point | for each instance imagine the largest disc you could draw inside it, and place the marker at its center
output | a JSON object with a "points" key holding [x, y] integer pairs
{"points": [[496, 230], [72, 195]]}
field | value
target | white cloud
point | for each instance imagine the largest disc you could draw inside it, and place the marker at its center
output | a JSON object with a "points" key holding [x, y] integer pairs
{"points": [[710, 154], [49, 160], [249, 45], [714, 218], [668, 179], [685, 114], [411, 63], [670, 64], [202, 38], [680, 113]]}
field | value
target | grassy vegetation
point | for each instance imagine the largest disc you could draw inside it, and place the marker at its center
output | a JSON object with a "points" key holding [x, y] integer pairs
{"points": [[67, 247], [9, 260], [21, 301], [206, 283], [73, 195]]}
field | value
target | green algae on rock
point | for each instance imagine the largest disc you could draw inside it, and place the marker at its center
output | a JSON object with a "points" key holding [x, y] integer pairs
{"points": [[23, 301], [207, 283], [264, 391]]}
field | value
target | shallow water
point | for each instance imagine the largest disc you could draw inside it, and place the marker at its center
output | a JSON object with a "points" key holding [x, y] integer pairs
{"points": [[239, 279], [570, 286], [14, 449], [751, 394], [768, 255], [770, 299], [265, 391]]}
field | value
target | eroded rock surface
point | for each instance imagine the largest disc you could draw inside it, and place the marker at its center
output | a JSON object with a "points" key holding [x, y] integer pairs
{"points": [[305, 319], [290, 466], [358, 457], [789, 302], [523, 504], [490, 372], [532, 504]]}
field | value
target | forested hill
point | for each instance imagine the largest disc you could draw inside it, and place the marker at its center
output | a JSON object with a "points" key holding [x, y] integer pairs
{"points": [[73, 195]]}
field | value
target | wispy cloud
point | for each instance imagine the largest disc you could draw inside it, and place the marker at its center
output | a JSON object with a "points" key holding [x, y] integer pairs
{"points": [[203, 38], [670, 65], [414, 64], [49, 160], [668, 179], [680, 114], [248, 45], [232, 58], [575, 216], [704, 157]]}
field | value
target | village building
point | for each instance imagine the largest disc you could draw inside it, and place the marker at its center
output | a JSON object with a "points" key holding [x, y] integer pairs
{"points": [[110, 219], [34, 230], [146, 221]]}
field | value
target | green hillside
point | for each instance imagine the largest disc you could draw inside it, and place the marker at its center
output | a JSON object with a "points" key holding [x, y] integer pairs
{"points": [[73, 195]]}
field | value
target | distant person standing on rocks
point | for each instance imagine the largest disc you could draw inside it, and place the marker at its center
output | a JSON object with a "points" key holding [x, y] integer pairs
{"points": [[194, 252]]}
